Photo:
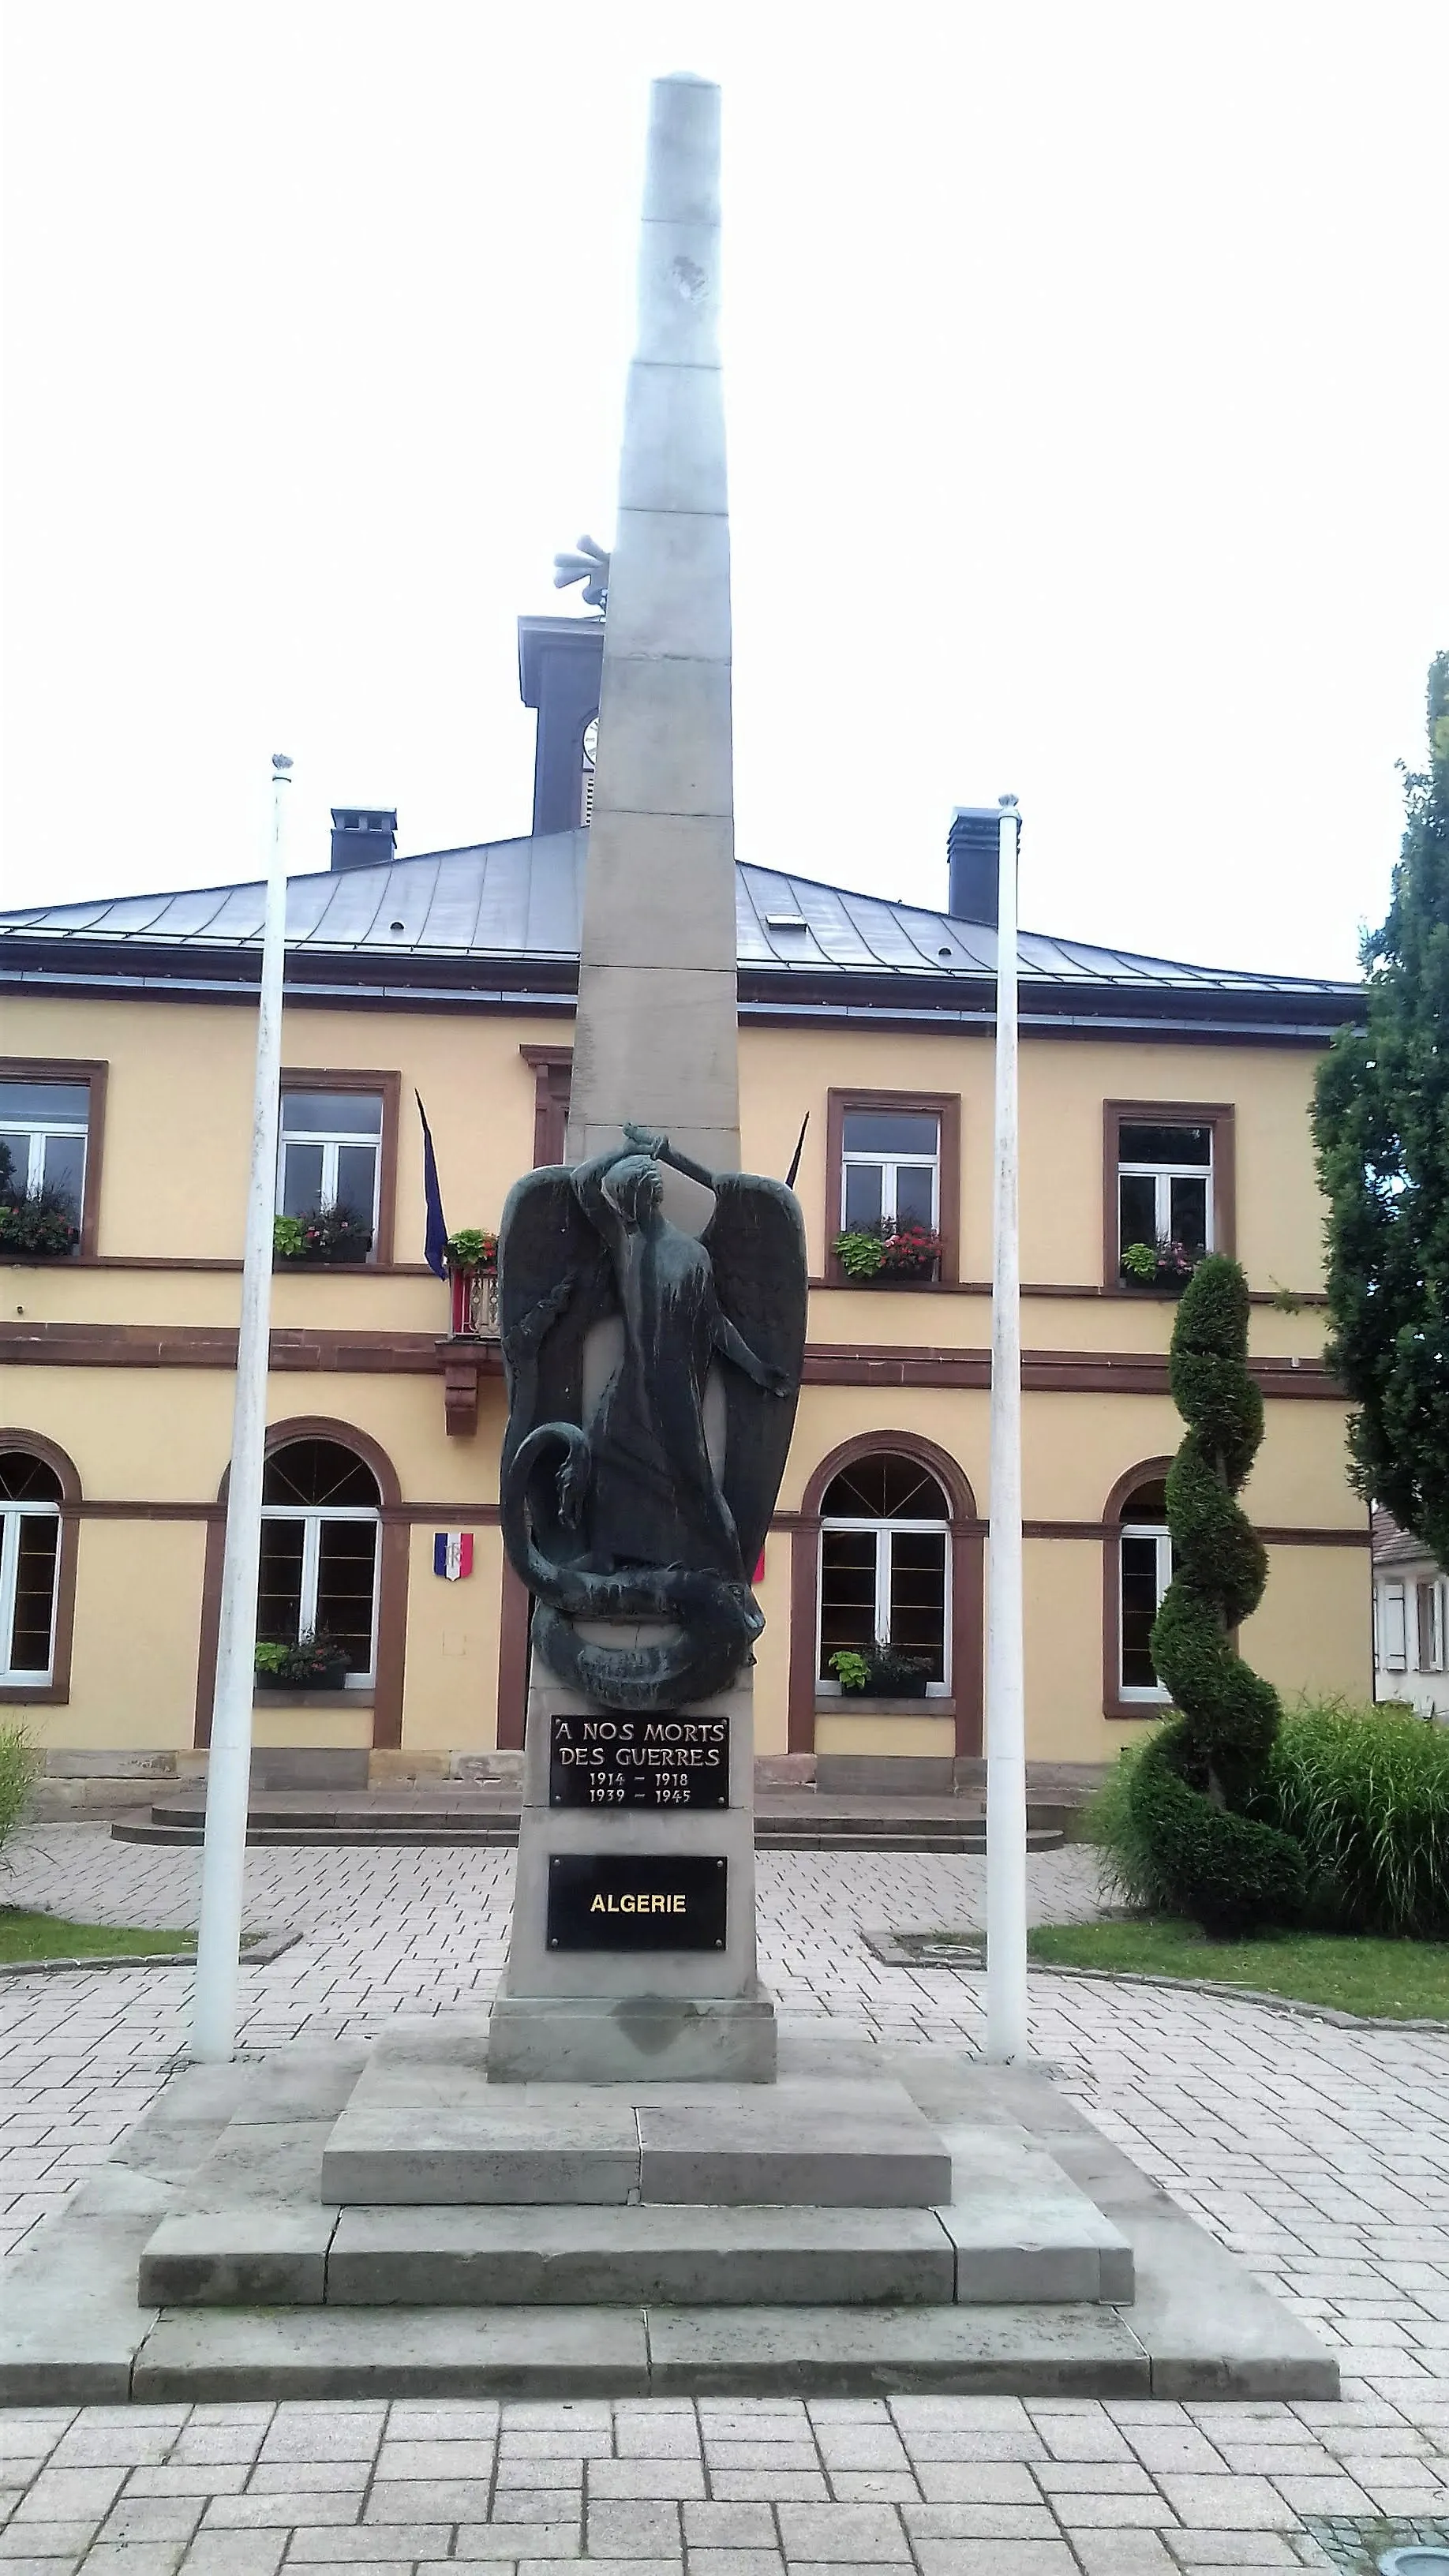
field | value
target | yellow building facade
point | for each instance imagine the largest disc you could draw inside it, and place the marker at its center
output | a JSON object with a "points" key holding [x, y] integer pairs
{"points": [[1156, 1102]]}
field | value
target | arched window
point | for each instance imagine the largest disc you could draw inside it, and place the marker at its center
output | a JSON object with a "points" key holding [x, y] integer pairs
{"points": [[1139, 1568], [885, 1566], [321, 1538], [30, 1501]]}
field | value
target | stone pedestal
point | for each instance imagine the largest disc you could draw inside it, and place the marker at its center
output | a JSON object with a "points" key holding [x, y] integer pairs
{"points": [[610, 2015]]}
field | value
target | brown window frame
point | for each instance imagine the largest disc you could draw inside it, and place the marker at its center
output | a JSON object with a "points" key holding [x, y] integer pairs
{"points": [[552, 1068], [56, 1692], [1220, 1115], [94, 1072], [347, 1078], [967, 1544], [385, 1699], [1150, 1471], [945, 1107]]}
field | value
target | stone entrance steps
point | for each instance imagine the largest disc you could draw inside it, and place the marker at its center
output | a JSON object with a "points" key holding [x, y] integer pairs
{"points": [[798, 1822]]}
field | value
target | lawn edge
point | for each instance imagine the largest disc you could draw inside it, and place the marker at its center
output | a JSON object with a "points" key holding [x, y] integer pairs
{"points": [[1246, 1994], [886, 1947], [255, 1954]]}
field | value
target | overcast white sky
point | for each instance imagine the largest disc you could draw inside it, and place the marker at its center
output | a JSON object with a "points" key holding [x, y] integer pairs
{"points": [[1086, 390]]}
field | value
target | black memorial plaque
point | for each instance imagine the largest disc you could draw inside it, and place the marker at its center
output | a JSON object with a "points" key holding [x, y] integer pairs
{"points": [[650, 1902], [645, 1761]]}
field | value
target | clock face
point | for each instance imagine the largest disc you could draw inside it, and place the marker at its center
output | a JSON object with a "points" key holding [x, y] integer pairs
{"points": [[591, 741]]}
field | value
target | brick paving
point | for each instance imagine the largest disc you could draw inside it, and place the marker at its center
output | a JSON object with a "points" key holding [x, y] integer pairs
{"points": [[1321, 2154]]}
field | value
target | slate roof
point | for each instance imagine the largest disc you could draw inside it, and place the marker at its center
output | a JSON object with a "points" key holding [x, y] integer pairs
{"points": [[1391, 1545], [520, 901]]}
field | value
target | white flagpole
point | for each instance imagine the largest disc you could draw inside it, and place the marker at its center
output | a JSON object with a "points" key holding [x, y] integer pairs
{"points": [[1006, 2037], [228, 1771]]}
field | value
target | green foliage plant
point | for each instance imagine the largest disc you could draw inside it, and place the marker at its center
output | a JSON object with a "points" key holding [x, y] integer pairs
{"points": [[1196, 1780], [19, 1771], [1381, 1133], [1366, 1793], [861, 1255], [850, 1670], [471, 1249], [1139, 1262]]}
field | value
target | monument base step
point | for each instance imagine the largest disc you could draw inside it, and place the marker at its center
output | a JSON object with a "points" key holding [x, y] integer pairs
{"points": [[571, 2039], [248, 2139], [1052, 2246], [426, 2124]]}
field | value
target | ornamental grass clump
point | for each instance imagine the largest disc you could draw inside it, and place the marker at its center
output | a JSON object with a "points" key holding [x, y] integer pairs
{"points": [[1365, 1791], [19, 1771], [1193, 1791]]}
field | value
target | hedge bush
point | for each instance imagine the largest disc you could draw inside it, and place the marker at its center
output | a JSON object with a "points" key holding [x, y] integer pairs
{"points": [[1194, 1789], [1364, 1792]]}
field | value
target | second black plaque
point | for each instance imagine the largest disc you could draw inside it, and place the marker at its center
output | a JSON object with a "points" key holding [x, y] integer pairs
{"points": [[662, 1762]]}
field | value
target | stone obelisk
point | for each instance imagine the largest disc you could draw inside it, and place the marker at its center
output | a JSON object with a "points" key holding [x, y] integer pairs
{"points": [[656, 1036], [656, 1045]]}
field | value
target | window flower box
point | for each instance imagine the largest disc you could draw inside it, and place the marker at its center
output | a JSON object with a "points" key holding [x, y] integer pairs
{"points": [[888, 1255], [38, 1227], [1163, 1268], [471, 1256], [883, 1673], [314, 1663], [327, 1234]]}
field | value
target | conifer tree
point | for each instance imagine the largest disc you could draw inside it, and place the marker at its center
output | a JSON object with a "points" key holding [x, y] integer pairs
{"points": [[1198, 1777], [1381, 1128]]}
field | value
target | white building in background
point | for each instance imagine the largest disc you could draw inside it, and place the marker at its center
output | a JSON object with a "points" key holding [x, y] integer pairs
{"points": [[1409, 1621]]}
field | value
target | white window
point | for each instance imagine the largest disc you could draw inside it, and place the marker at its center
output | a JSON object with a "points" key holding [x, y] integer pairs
{"points": [[321, 1535], [43, 1128], [885, 1567], [1429, 1627], [890, 1169], [1393, 1628], [330, 1155], [1165, 1187], [1145, 1572], [30, 1500]]}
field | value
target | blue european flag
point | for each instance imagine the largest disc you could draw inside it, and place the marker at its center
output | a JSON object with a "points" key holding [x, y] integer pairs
{"points": [[436, 1233]]}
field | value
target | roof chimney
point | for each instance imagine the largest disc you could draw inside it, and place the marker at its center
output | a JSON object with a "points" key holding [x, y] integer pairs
{"points": [[363, 836], [973, 848]]}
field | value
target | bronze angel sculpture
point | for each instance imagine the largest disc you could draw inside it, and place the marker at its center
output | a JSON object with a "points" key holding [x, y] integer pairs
{"points": [[625, 1511]]}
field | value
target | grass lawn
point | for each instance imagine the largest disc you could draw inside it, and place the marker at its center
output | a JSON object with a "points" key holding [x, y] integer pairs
{"points": [[50, 1936], [1397, 1980]]}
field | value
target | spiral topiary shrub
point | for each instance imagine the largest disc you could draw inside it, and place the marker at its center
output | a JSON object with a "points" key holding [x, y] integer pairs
{"points": [[1197, 1777]]}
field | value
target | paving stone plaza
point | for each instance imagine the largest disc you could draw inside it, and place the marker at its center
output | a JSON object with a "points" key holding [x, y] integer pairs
{"points": [[1318, 2153]]}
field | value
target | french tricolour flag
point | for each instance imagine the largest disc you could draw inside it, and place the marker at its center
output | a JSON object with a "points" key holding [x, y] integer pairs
{"points": [[453, 1554]]}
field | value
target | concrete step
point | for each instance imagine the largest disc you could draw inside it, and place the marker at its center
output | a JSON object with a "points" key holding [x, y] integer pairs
{"points": [[429, 2129], [542, 2257]]}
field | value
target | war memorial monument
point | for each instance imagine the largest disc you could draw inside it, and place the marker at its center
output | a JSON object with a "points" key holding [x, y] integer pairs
{"points": [[625, 2177]]}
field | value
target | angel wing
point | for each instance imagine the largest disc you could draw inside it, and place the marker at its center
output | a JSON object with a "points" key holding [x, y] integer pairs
{"points": [[756, 1240], [550, 1282]]}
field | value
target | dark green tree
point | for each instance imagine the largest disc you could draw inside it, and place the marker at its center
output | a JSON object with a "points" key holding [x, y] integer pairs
{"points": [[1201, 1772], [1381, 1128]]}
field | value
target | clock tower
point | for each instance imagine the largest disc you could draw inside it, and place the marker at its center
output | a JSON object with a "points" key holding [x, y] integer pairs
{"points": [[560, 665]]}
